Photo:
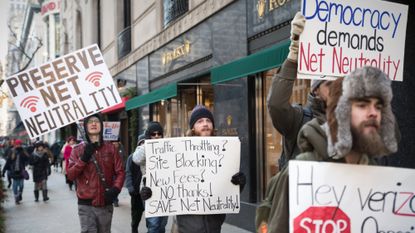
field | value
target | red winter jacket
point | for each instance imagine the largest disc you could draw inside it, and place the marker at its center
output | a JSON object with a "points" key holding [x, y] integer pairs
{"points": [[89, 187]]}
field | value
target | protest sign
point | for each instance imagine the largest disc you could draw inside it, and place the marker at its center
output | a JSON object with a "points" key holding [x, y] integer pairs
{"points": [[332, 197], [111, 130], [63, 91], [340, 36], [192, 175]]}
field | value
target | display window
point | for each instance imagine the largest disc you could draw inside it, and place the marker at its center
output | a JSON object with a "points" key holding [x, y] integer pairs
{"points": [[174, 113], [271, 147]]}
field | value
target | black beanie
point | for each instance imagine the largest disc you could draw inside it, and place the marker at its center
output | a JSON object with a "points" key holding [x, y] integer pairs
{"points": [[200, 111], [153, 126]]}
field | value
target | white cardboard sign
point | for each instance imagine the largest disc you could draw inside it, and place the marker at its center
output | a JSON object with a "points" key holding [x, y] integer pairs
{"points": [[192, 175], [63, 91], [340, 36], [332, 197]]}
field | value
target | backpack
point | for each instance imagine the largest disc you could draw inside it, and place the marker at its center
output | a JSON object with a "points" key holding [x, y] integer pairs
{"points": [[264, 209]]}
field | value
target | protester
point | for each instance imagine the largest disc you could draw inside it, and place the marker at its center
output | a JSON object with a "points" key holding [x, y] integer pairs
{"points": [[16, 164], [121, 152], [133, 177], [154, 131], [7, 155], [96, 167], [286, 118], [202, 124], [56, 149], [360, 126], [70, 144], [40, 162]]}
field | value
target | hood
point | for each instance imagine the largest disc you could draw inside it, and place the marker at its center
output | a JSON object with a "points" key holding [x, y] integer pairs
{"points": [[312, 137], [101, 137]]}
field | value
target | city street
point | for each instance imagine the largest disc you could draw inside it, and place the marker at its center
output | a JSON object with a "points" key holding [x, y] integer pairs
{"points": [[59, 214]]}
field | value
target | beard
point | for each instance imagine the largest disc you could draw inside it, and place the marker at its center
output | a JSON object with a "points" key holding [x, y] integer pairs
{"points": [[370, 143], [203, 132]]}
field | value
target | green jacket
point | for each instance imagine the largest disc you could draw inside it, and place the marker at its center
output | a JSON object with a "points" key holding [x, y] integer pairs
{"points": [[313, 143], [287, 118]]}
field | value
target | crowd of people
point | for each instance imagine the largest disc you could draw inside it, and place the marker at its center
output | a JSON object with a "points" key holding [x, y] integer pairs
{"points": [[340, 123]]}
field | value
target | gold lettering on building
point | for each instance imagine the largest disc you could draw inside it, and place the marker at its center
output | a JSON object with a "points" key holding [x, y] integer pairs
{"points": [[272, 5], [178, 52]]}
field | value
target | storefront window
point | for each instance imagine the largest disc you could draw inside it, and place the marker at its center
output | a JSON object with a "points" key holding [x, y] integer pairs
{"points": [[174, 113], [272, 140]]}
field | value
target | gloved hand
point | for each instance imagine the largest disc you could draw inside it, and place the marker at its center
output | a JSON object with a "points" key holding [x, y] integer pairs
{"points": [[239, 179], [88, 151], [297, 27], [145, 193], [134, 193], [110, 195]]}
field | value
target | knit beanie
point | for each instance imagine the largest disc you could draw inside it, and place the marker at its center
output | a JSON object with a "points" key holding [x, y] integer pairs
{"points": [[200, 111], [361, 83], [152, 127]]}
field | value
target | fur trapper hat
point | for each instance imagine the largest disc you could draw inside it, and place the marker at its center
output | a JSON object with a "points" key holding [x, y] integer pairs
{"points": [[361, 83]]}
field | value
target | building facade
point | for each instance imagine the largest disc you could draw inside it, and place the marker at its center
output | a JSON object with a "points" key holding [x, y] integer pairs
{"points": [[168, 56]]}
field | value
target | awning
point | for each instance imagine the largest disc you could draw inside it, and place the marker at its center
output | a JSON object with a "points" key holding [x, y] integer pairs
{"points": [[252, 64], [117, 107], [163, 93]]}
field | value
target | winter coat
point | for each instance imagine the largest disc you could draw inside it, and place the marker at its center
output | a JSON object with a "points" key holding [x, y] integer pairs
{"points": [[139, 158], [200, 223], [133, 177], [66, 154], [16, 162], [40, 163], [90, 190], [288, 118], [313, 140]]}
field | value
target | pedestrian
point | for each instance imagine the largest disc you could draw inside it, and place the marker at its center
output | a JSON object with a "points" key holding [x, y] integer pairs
{"points": [[201, 124], [40, 162], [288, 118], [154, 131], [360, 126], [16, 164], [121, 152], [7, 155], [70, 144], [133, 178], [56, 149], [97, 169]]}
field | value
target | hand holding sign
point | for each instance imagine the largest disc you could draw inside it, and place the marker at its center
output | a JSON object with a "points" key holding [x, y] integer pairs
{"points": [[297, 27]]}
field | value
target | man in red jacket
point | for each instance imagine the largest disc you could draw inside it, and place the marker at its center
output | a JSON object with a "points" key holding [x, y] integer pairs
{"points": [[88, 164]]}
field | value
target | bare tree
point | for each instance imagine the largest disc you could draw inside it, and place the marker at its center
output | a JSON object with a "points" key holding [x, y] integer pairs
{"points": [[21, 48]]}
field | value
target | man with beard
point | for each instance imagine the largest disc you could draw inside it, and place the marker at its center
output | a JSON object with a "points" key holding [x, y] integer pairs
{"points": [[201, 123], [360, 126]]}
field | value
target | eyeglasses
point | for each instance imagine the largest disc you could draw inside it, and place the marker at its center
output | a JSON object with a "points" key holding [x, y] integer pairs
{"points": [[156, 134], [90, 121]]}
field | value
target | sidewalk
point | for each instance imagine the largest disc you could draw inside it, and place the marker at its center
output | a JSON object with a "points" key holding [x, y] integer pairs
{"points": [[60, 214]]}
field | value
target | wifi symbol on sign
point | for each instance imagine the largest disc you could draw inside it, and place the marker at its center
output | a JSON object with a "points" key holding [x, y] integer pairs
{"points": [[30, 103], [94, 78]]}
